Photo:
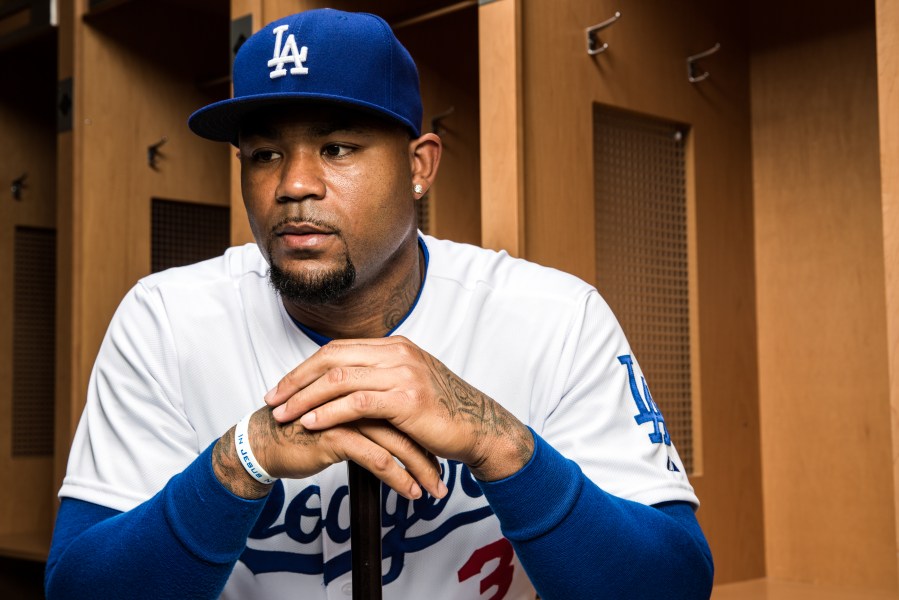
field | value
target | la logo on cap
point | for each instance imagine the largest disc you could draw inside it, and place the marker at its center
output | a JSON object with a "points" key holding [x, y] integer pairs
{"points": [[288, 53]]}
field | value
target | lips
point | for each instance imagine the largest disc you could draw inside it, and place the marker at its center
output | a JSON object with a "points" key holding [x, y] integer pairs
{"points": [[301, 229], [306, 236]]}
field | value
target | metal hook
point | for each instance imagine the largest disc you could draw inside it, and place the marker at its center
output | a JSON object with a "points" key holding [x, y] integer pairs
{"points": [[436, 119], [153, 153], [18, 184], [692, 77], [593, 46]]}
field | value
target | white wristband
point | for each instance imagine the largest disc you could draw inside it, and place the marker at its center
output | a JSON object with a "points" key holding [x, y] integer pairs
{"points": [[247, 459]]}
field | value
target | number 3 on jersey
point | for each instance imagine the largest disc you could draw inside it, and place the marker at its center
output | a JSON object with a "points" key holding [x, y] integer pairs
{"points": [[501, 576]]}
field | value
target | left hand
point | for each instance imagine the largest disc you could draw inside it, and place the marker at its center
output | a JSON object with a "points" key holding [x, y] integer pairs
{"points": [[395, 380]]}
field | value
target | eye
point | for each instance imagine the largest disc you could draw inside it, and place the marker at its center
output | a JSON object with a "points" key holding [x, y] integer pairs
{"points": [[265, 156], [336, 150]]}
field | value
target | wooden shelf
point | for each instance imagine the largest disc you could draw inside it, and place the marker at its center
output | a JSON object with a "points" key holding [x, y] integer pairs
{"points": [[24, 20], [30, 546], [763, 589]]}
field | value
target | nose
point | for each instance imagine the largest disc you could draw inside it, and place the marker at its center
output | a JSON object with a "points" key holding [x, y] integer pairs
{"points": [[301, 178]]}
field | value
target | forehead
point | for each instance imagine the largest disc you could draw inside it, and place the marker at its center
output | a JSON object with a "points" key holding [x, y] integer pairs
{"points": [[317, 120]]}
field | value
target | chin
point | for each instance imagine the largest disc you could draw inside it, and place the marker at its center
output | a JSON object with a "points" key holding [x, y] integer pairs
{"points": [[313, 287]]}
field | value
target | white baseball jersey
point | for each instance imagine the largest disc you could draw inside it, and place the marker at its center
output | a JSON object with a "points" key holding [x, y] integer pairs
{"points": [[192, 350]]}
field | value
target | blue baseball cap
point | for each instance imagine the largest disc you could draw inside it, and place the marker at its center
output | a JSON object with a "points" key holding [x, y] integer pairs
{"points": [[323, 55]]}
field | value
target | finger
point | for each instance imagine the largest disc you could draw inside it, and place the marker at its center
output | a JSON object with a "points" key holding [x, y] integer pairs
{"points": [[401, 413], [292, 451], [418, 462], [339, 382], [390, 405], [380, 462], [333, 383], [338, 368]]}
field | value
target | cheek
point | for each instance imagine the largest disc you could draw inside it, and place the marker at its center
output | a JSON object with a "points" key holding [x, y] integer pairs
{"points": [[253, 191], [388, 204], [253, 183], [395, 202]]}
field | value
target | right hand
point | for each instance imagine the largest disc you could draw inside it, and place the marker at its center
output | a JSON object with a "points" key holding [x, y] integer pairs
{"points": [[289, 450]]}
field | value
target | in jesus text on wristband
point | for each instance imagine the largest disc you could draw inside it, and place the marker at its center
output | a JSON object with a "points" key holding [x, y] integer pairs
{"points": [[245, 453]]}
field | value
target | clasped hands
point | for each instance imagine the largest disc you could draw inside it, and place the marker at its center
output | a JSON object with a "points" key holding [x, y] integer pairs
{"points": [[374, 400]]}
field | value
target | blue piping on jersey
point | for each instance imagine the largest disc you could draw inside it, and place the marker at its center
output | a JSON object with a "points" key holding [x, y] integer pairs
{"points": [[321, 340]]}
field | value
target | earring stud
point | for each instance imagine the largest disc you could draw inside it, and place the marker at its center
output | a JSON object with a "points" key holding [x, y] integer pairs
{"points": [[418, 189]]}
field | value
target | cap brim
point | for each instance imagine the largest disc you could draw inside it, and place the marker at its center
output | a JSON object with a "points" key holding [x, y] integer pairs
{"points": [[221, 120]]}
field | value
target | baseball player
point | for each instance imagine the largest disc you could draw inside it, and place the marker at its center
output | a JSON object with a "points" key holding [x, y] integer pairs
{"points": [[498, 401]]}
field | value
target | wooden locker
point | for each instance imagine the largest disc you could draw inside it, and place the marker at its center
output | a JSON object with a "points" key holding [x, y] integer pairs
{"points": [[644, 71], [139, 69], [28, 123]]}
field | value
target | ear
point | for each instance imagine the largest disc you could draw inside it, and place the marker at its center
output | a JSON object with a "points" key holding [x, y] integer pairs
{"points": [[424, 154]]}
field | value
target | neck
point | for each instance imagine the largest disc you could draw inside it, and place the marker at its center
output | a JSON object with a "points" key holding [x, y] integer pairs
{"points": [[372, 310]]}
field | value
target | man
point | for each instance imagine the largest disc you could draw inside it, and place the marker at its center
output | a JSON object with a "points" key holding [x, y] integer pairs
{"points": [[494, 398]]}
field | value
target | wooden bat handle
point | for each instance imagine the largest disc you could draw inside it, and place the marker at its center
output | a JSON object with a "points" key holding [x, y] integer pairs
{"points": [[365, 532]]}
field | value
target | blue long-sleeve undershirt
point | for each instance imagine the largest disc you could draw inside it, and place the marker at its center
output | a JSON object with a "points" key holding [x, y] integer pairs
{"points": [[579, 542], [163, 548]]}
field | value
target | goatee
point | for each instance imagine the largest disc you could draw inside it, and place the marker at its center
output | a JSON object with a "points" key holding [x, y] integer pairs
{"points": [[318, 288]]}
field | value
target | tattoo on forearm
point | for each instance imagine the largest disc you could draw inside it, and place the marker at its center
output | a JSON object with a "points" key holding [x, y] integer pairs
{"points": [[231, 473], [490, 419]]}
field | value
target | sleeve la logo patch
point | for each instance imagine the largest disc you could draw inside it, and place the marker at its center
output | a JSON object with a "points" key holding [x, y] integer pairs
{"points": [[648, 412]]}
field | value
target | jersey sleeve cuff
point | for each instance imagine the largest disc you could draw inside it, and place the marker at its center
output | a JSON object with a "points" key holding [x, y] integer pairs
{"points": [[196, 505], [537, 498]]}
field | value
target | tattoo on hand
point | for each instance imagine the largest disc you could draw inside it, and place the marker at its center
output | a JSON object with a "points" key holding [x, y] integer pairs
{"points": [[292, 432]]}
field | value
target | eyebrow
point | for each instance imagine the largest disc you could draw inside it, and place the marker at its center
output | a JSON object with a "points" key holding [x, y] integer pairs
{"points": [[327, 128], [322, 129]]}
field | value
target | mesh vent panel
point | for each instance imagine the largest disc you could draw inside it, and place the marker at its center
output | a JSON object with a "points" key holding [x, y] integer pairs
{"points": [[641, 254], [34, 347], [184, 233]]}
